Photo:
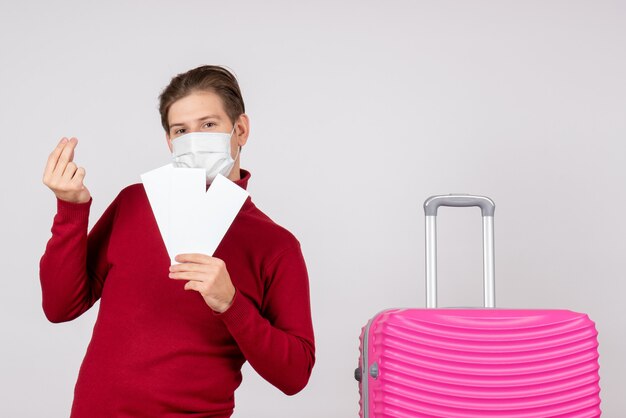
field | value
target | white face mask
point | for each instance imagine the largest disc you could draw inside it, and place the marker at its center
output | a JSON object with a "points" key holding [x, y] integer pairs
{"points": [[208, 150]]}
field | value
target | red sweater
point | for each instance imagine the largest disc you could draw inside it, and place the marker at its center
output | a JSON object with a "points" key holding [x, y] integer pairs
{"points": [[158, 350]]}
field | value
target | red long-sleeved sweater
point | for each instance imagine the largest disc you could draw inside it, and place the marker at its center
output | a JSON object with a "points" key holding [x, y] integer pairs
{"points": [[158, 350]]}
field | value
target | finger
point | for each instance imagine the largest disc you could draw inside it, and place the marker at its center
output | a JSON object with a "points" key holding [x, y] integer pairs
{"points": [[53, 157], [73, 140], [79, 176], [189, 266], [195, 258], [63, 158], [189, 275], [197, 286], [70, 170], [66, 156], [200, 287]]}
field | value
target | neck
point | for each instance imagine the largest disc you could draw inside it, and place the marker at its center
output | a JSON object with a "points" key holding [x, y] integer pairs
{"points": [[234, 173]]}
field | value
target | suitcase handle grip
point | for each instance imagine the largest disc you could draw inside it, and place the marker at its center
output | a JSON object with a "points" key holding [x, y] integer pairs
{"points": [[488, 208], [485, 204]]}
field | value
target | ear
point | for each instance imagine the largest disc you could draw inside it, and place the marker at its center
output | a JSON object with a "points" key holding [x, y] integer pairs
{"points": [[242, 129]]}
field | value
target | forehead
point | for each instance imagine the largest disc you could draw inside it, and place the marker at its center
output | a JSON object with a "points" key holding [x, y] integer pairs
{"points": [[194, 106]]}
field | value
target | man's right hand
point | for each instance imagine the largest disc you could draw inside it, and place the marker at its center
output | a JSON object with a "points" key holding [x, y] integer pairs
{"points": [[62, 175]]}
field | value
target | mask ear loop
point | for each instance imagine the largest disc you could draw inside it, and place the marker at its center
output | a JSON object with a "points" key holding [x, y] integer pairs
{"points": [[239, 147]]}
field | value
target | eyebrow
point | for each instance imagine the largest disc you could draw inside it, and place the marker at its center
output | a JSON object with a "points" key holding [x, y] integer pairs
{"points": [[197, 120]]}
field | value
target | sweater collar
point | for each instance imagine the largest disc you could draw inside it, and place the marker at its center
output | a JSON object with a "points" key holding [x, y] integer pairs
{"points": [[244, 177], [243, 183]]}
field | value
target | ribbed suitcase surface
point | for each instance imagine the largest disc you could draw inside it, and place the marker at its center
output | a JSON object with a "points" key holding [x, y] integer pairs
{"points": [[469, 363]]}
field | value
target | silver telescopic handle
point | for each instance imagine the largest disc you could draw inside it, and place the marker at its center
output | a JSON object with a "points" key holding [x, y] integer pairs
{"points": [[487, 207]]}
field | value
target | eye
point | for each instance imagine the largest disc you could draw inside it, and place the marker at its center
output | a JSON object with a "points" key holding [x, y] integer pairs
{"points": [[179, 131], [209, 124]]}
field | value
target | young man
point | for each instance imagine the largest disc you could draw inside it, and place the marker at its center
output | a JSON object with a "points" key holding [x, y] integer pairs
{"points": [[170, 340]]}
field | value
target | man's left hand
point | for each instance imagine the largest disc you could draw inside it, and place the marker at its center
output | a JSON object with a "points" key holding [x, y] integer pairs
{"points": [[206, 275]]}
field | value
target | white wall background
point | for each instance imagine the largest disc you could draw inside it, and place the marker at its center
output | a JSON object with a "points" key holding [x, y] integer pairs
{"points": [[360, 110]]}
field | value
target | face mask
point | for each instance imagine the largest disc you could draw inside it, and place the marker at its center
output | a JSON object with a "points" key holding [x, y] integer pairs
{"points": [[208, 150]]}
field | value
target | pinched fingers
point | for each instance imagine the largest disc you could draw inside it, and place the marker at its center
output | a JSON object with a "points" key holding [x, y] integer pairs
{"points": [[63, 176], [73, 175], [79, 177], [53, 158], [67, 155], [70, 170]]}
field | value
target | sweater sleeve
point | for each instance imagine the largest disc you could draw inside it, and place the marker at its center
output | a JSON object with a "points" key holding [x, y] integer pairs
{"points": [[74, 264], [278, 340]]}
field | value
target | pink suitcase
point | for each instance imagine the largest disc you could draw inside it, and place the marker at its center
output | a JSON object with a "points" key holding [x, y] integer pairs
{"points": [[483, 362]]}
